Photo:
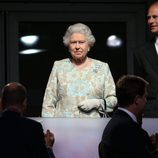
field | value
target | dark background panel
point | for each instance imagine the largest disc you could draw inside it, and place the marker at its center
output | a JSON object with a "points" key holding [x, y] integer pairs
{"points": [[34, 69]]}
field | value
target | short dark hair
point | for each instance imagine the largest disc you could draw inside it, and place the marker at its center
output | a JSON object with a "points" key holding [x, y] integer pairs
{"points": [[13, 94], [128, 87]]}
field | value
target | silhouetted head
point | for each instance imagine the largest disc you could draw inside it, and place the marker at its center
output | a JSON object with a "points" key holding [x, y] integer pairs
{"points": [[14, 95], [132, 92]]}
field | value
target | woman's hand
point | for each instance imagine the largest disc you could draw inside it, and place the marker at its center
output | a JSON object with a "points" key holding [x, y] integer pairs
{"points": [[90, 104]]}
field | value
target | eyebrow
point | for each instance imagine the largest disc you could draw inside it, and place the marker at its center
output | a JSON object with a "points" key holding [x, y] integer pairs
{"points": [[153, 16]]}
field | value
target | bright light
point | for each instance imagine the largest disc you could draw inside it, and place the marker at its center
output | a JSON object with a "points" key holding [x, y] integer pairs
{"points": [[114, 41], [29, 40], [31, 51]]}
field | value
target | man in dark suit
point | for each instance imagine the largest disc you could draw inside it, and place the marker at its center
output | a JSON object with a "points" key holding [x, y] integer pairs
{"points": [[146, 62], [20, 137], [123, 136]]}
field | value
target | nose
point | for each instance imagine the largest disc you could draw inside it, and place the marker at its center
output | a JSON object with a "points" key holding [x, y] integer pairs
{"points": [[77, 45]]}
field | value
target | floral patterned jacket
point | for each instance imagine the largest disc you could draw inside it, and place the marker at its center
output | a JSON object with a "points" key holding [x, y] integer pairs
{"points": [[68, 86]]}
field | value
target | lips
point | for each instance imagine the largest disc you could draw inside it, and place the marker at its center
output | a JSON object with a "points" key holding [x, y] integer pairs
{"points": [[78, 52], [153, 27]]}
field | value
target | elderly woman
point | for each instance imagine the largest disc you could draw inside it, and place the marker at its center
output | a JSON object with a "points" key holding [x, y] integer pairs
{"points": [[80, 86]]}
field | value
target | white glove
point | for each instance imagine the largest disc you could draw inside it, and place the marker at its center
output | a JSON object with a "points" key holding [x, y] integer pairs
{"points": [[90, 104]]}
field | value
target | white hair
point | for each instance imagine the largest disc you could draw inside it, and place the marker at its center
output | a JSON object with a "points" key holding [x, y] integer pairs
{"points": [[79, 28]]}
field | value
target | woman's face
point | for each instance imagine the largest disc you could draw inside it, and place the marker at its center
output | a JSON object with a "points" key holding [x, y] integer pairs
{"points": [[78, 46]]}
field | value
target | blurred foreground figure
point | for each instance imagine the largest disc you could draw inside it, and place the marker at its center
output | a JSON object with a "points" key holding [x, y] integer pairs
{"points": [[20, 137], [123, 136]]}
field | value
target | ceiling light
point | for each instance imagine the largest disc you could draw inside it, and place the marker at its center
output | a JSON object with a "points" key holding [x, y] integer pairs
{"points": [[31, 51], [29, 40], [114, 41]]}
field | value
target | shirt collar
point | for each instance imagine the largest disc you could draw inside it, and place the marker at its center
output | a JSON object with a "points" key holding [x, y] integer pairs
{"points": [[129, 113], [156, 41]]}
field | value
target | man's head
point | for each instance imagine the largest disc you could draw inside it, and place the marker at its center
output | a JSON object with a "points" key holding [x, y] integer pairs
{"points": [[152, 18], [131, 92], [14, 95]]}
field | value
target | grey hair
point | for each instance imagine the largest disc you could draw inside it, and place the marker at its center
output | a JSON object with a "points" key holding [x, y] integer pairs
{"points": [[79, 28]]}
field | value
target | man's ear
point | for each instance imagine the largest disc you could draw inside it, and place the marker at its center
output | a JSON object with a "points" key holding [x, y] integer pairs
{"points": [[137, 100], [1, 107], [24, 105]]}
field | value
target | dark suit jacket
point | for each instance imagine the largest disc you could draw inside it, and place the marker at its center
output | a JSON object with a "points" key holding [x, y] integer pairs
{"points": [[21, 137], [124, 138], [146, 66]]}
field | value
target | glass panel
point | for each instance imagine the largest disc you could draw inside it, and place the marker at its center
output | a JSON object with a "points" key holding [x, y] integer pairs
{"points": [[34, 69]]}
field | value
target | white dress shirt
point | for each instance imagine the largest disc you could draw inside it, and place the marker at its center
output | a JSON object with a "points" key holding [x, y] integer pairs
{"points": [[156, 44]]}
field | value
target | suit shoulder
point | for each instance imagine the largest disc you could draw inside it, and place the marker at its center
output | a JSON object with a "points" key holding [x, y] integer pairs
{"points": [[31, 122], [145, 49], [147, 45]]}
